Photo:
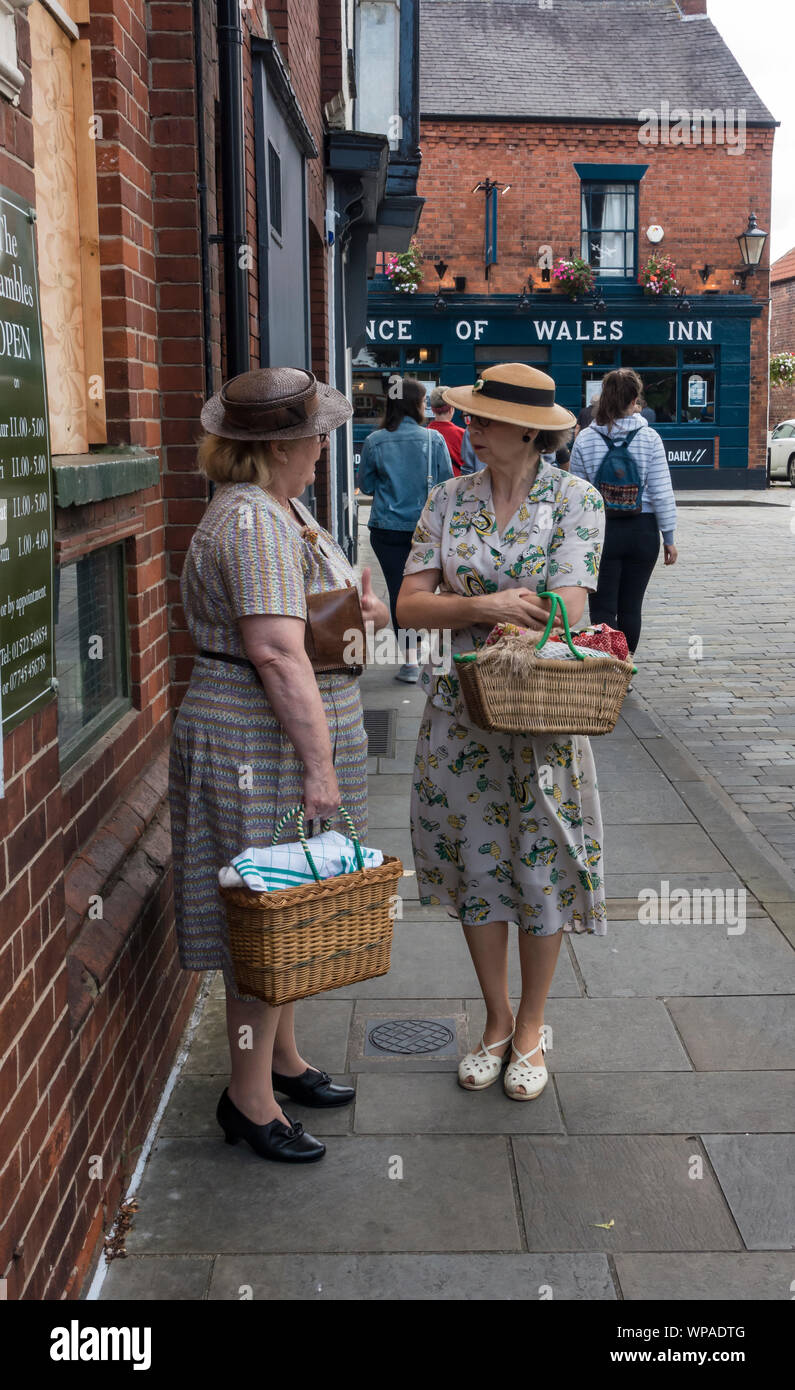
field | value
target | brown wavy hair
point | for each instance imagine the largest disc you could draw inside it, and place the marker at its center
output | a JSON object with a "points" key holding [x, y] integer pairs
{"points": [[619, 389], [410, 403]]}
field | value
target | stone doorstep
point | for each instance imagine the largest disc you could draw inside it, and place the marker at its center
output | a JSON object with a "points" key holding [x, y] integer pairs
{"points": [[122, 864]]}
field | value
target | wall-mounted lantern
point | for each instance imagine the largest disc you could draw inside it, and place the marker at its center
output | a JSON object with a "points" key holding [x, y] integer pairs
{"points": [[752, 244]]}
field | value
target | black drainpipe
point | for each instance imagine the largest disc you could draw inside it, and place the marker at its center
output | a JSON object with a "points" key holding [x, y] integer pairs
{"points": [[230, 84], [204, 234]]}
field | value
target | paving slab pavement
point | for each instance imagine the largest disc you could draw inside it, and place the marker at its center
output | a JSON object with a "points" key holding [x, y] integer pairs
{"points": [[655, 1165]]}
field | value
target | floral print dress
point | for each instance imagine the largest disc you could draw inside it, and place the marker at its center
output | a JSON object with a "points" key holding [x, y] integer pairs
{"points": [[506, 827]]}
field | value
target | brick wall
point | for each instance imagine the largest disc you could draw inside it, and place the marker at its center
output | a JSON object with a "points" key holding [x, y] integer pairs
{"points": [[119, 68], [91, 1007], [782, 339], [700, 195], [180, 327]]}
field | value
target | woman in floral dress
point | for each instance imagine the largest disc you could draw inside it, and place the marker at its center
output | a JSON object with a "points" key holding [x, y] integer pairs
{"points": [[505, 827]]}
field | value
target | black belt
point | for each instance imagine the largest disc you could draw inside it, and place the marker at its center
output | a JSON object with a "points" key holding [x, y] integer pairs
{"points": [[243, 661], [224, 656]]}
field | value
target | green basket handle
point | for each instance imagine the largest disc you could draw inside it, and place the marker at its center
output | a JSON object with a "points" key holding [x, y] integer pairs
{"points": [[464, 657], [557, 602], [298, 812]]}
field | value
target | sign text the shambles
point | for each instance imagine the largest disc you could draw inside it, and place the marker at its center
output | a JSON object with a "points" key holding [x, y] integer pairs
{"points": [[26, 496]]}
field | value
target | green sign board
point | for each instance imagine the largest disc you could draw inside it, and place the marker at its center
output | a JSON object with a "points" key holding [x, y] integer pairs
{"points": [[26, 495]]}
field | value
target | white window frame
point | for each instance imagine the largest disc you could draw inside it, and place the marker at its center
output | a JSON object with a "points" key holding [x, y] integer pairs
{"points": [[11, 79]]}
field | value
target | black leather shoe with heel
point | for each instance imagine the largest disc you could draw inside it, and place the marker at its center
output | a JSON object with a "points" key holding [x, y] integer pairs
{"points": [[284, 1144], [312, 1087]]}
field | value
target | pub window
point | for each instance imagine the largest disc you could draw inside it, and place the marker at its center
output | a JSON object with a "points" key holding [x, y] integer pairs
{"points": [[275, 189], [679, 383], [90, 649], [601, 357], [65, 133], [659, 394], [609, 228], [373, 366], [418, 357]]}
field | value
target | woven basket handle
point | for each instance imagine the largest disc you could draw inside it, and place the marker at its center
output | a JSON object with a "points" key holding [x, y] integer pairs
{"points": [[298, 813], [557, 602]]}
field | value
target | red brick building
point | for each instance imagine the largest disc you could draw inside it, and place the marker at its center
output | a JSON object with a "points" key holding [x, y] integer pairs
{"points": [[202, 162], [590, 117], [782, 331]]}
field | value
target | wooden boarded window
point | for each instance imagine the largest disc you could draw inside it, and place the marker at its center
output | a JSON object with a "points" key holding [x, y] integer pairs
{"points": [[67, 229]]}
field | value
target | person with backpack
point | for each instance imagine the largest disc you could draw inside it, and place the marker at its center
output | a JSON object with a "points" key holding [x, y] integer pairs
{"points": [[625, 460]]}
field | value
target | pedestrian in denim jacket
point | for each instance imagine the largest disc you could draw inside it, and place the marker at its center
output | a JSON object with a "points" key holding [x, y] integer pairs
{"points": [[400, 463]]}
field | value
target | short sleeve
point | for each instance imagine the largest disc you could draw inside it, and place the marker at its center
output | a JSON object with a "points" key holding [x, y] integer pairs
{"points": [[261, 561], [575, 547], [444, 460], [426, 543]]}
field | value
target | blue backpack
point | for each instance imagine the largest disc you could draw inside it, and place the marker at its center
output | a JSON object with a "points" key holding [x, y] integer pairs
{"points": [[618, 479]]}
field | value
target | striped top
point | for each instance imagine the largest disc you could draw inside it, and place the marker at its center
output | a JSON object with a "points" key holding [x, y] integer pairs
{"points": [[648, 451], [247, 557]]}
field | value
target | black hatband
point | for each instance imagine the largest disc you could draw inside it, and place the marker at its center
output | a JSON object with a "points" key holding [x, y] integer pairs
{"points": [[517, 395]]}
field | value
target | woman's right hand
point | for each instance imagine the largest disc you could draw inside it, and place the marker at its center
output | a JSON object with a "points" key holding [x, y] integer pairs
{"points": [[520, 606], [321, 793]]}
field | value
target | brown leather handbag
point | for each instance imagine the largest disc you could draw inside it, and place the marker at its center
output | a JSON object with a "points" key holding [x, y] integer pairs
{"points": [[330, 616]]}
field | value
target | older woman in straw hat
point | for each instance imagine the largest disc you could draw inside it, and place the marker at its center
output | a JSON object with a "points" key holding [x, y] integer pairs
{"points": [[505, 828], [258, 731]]}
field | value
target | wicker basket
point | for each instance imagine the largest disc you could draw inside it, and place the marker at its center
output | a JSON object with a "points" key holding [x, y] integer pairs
{"points": [[291, 943], [539, 695]]}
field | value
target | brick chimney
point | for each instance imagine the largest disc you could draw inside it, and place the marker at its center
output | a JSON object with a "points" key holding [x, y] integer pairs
{"points": [[692, 6]]}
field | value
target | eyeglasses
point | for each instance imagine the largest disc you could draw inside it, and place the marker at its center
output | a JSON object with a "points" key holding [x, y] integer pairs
{"points": [[479, 421], [323, 439]]}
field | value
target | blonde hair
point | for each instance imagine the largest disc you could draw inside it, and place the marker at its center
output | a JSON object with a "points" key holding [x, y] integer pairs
{"points": [[234, 460]]}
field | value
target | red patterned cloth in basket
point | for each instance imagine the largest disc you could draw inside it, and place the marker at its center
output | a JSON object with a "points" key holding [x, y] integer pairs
{"points": [[601, 638]]}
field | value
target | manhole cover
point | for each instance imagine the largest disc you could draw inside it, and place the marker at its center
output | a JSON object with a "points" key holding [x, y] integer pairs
{"points": [[410, 1036], [379, 725]]}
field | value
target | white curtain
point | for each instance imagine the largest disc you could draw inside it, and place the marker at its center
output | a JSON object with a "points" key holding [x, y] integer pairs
{"points": [[605, 249]]}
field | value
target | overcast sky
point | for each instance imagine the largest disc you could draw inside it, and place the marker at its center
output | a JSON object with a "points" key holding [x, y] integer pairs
{"points": [[761, 35]]}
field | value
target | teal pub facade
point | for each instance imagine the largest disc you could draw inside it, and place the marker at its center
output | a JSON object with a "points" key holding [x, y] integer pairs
{"points": [[694, 362]]}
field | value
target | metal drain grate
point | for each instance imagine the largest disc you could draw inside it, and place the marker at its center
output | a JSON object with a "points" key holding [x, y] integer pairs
{"points": [[380, 725], [410, 1036]]}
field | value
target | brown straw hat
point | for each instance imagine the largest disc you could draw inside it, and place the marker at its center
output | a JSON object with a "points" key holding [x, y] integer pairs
{"points": [[514, 394], [275, 403]]}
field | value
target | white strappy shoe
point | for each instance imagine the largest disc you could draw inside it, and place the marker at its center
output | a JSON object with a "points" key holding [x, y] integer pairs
{"points": [[519, 1073], [480, 1069]]}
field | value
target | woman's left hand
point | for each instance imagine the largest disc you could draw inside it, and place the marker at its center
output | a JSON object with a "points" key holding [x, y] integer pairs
{"points": [[373, 610]]}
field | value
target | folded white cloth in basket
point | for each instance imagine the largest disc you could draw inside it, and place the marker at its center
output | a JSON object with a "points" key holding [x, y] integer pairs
{"points": [[267, 868], [560, 651]]}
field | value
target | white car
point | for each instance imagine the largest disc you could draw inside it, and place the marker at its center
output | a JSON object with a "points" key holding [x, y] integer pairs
{"points": [[781, 451]]}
